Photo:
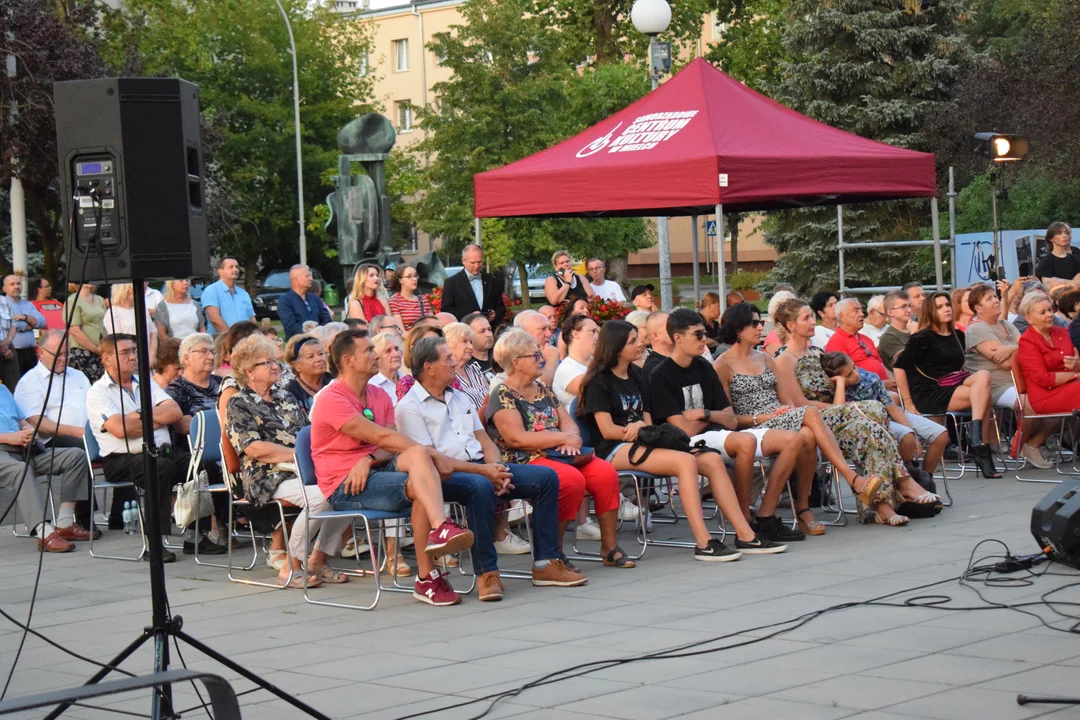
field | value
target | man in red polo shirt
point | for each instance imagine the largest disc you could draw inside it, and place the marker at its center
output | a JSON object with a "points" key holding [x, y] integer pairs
{"points": [[848, 340]]}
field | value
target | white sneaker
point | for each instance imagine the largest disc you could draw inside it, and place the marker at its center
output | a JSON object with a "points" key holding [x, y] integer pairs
{"points": [[587, 530], [518, 510], [512, 545], [1035, 457], [628, 511]]}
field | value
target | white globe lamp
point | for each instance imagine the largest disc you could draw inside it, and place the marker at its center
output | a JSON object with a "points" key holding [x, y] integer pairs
{"points": [[651, 17]]}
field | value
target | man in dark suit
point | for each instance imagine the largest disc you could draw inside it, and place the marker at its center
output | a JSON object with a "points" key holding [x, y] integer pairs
{"points": [[473, 290]]}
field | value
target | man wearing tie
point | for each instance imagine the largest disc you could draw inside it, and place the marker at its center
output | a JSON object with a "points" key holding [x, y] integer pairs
{"points": [[472, 290]]}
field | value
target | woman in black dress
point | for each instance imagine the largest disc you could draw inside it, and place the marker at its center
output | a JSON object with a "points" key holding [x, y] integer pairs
{"points": [[930, 376]]}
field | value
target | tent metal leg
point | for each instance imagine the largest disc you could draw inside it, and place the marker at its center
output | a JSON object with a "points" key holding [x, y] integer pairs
{"points": [[694, 247], [937, 244], [720, 266]]}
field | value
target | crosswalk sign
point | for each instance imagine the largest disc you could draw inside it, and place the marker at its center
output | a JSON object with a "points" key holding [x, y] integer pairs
{"points": [[710, 228]]}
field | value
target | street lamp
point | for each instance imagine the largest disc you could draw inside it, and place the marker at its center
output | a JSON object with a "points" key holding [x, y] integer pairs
{"points": [[652, 17], [1000, 149], [296, 120]]}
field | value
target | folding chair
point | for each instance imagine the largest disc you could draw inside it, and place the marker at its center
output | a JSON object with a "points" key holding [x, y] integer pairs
{"points": [[230, 469], [642, 480], [203, 438], [93, 462], [1021, 415], [956, 421], [305, 466]]}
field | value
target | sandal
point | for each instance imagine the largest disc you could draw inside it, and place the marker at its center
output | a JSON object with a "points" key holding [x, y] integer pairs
{"points": [[617, 558], [873, 484], [276, 558], [327, 574], [297, 582], [894, 521], [814, 527], [403, 568], [927, 498]]}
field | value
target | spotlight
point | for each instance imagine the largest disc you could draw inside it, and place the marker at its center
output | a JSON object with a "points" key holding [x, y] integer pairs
{"points": [[999, 147]]}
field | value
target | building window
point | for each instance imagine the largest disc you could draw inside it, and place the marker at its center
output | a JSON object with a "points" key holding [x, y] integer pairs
{"points": [[364, 67], [401, 55], [412, 243], [404, 115], [718, 27]]}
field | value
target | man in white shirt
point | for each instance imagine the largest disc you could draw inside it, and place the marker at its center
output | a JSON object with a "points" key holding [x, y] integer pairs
{"points": [[41, 404], [876, 320], [607, 289], [114, 409], [433, 414], [153, 298]]}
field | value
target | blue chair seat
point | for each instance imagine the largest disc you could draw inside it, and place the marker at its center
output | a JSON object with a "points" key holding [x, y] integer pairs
{"points": [[371, 515]]}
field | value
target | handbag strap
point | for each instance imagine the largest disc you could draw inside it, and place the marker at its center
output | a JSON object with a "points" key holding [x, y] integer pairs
{"points": [[644, 455]]}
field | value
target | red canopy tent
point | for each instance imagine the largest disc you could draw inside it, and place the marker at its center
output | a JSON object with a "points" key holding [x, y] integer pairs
{"points": [[699, 143]]}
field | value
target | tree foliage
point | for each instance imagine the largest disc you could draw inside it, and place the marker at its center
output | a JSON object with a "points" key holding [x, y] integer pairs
{"points": [[879, 69], [750, 48], [51, 43], [237, 52], [516, 90]]}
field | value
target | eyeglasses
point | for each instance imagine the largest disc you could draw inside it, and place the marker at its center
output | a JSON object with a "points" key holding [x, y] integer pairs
{"points": [[865, 349], [202, 351], [537, 356], [266, 363]]}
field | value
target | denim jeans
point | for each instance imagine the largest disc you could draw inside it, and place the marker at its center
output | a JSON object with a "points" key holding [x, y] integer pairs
{"points": [[384, 492], [539, 485]]}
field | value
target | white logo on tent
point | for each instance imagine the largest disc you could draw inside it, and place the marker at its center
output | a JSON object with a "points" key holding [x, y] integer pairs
{"points": [[645, 133]]}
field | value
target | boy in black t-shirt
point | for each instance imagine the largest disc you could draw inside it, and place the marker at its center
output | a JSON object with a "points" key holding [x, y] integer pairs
{"points": [[687, 393]]}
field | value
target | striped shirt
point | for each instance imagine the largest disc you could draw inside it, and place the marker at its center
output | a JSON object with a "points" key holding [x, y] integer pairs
{"points": [[409, 310]]}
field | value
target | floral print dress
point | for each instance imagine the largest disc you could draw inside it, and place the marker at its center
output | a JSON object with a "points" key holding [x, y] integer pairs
{"points": [[537, 415], [249, 419], [861, 430], [756, 395]]}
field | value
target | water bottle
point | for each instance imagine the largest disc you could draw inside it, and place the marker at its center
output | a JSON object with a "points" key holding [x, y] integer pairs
{"points": [[128, 518]]}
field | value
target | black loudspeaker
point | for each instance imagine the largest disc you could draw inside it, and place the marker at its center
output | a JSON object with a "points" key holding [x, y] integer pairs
{"points": [[1055, 523], [131, 177]]}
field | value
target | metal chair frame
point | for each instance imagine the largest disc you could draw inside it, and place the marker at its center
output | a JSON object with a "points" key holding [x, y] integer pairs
{"points": [[305, 467], [1021, 415], [93, 455]]}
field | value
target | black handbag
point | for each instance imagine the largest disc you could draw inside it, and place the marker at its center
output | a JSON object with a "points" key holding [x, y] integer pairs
{"points": [[664, 436]]}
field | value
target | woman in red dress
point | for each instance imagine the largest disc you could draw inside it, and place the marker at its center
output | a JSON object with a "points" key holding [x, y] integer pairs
{"points": [[1047, 359]]}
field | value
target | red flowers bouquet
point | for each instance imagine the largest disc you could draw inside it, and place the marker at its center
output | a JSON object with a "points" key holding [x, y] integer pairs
{"points": [[434, 299]]}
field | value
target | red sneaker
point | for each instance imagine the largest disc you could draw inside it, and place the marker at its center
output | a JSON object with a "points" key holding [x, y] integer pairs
{"points": [[435, 590], [448, 539]]}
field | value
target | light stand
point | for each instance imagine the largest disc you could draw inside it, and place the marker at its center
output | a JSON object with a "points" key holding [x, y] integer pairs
{"points": [[995, 179], [162, 627]]}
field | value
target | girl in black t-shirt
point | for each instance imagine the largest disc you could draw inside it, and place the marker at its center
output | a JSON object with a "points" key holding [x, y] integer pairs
{"points": [[1061, 262], [613, 405]]}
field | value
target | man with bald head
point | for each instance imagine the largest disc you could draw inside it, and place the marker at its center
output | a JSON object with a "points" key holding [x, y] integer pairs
{"points": [[537, 325], [445, 318], [298, 306], [473, 290], [26, 318], [656, 336]]}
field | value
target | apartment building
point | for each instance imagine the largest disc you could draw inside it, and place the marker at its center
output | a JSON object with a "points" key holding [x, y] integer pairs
{"points": [[405, 71]]}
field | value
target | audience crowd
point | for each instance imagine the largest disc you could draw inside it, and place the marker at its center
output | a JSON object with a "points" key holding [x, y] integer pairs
{"points": [[410, 410]]}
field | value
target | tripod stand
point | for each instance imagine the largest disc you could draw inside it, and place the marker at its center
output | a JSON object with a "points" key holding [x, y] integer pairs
{"points": [[163, 627]]}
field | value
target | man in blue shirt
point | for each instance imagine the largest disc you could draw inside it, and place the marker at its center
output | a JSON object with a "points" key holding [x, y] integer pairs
{"points": [[298, 306], [224, 302], [69, 482], [26, 318]]}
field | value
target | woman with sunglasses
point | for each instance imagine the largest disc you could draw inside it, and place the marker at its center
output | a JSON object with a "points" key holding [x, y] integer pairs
{"points": [[932, 381], [531, 427], [406, 304], [307, 358], [766, 394]]}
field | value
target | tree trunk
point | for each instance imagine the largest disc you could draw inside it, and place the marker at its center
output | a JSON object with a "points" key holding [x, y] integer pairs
{"points": [[733, 230], [523, 284], [618, 269], [251, 272]]}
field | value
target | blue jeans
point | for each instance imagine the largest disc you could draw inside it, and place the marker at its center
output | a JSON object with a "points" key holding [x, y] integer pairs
{"points": [[384, 492], [539, 485]]}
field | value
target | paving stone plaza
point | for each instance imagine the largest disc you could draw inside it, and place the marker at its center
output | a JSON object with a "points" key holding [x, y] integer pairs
{"points": [[407, 659]]}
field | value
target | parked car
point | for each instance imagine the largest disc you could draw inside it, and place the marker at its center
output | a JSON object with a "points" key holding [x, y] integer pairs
{"points": [[272, 287], [537, 275]]}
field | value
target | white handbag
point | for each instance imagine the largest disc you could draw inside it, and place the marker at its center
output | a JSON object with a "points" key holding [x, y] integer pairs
{"points": [[193, 501]]}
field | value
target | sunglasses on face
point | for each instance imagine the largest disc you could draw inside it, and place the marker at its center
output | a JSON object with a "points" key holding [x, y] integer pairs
{"points": [[756, 323], [697, 334]]}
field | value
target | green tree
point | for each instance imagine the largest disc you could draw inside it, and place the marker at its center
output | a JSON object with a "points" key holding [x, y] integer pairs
{"points": [[880, 69], [516, 90], [238, 54], [749, 48]]}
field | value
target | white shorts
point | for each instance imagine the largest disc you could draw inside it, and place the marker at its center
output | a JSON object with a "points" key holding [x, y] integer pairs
{"points": [[924, 428], [715, 439]]}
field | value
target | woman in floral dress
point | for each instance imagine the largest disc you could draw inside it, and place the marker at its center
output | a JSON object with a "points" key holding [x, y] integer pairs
{"points": [[749, 378], [861, 428]]}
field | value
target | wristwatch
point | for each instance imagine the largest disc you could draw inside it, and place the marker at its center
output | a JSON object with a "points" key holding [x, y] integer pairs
{"points": [[708, 414]]}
